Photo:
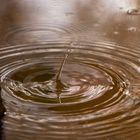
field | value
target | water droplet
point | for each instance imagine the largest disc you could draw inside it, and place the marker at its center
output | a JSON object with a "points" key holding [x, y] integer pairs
{"points": [[69, 13], [133, 12], [116, 33], [132, 29], [96, 25]]}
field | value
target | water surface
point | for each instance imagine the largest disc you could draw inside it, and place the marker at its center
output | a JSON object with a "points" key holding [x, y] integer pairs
{"points": [[96, 95], [70, 70]]}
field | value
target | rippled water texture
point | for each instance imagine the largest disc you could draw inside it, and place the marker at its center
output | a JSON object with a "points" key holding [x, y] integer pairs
{"points": [[35, 33], [95, 97], [70, 70]]}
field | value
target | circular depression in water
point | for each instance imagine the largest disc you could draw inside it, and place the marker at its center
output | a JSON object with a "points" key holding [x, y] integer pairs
{"points": [[95, 90]]}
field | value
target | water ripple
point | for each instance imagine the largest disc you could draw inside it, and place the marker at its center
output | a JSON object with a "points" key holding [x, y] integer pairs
{"points": [[35, 33], [98, 97]]}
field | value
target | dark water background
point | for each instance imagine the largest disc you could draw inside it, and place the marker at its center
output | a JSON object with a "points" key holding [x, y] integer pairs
{"points": [[70, 69]]}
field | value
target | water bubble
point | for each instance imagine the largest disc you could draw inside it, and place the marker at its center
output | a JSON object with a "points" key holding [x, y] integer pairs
{"points": [[132, 29], [133, 12]]}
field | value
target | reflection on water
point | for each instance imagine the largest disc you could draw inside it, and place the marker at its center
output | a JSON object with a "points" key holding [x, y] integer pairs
{"points": [[70, 70]]}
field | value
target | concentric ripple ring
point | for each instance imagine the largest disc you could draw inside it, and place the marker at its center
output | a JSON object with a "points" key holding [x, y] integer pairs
{"points": [[95, 97]]}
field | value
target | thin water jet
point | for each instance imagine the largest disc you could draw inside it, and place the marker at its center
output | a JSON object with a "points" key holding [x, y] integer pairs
{"points": [[59, 85]]}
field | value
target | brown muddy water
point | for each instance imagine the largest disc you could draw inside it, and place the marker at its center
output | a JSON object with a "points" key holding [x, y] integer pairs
{"points": [[70, 70]]}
